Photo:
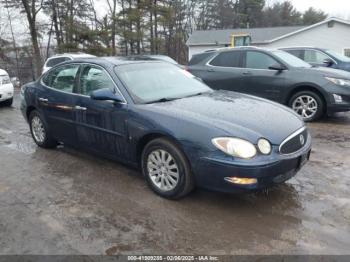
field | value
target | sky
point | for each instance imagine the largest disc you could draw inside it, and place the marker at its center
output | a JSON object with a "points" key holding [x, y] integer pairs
{"points": [[337, 8]]}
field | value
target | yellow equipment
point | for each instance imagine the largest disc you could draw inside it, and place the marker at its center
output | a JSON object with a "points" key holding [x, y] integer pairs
{"points": [[240, 40]]}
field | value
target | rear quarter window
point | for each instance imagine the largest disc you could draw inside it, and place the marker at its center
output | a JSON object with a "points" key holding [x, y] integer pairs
{"points": [[196, 59], [55, 61]]}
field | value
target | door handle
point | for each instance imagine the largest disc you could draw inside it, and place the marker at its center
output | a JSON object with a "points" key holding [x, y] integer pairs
{"points": [[247, 73], [44, 100], [211, 70], [80, 108]]}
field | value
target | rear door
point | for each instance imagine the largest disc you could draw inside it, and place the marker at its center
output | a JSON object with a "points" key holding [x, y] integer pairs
{"points": [[57, 101], [101, 125], [225, 71], [259, 79]]}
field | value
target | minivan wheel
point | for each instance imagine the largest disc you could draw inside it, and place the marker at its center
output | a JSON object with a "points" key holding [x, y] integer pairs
{"points": [[308, 105], [166, 169], [8, 102], [40, 131]]}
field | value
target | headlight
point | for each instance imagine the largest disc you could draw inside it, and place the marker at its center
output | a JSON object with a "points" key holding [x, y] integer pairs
{"points": [[264, 146], [338, 81], [235, 147]]}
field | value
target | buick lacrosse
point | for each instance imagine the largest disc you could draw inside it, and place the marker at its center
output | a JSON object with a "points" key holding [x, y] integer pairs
{"points": [[159, 118]]}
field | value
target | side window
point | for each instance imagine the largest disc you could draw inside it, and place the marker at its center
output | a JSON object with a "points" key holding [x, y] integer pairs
{"points": [[196, 59], [297, 53], [347, 52], [227, 59], [316, 57], [62, 78], [94, 78], [55, 61], [258, 60]]}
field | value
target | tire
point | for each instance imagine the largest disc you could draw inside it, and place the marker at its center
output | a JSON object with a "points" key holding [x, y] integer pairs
{"points": [[183, 184], [37, 122], [299, 104], [8, 102]]}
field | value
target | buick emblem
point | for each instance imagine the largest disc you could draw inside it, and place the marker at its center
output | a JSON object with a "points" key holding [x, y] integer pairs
{"points": [[302, 140]]}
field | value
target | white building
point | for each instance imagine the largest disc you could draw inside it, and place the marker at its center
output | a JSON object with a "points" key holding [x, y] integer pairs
{"points": [[332, 33]]}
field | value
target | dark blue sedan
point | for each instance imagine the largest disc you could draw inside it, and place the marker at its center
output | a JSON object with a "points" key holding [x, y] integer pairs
{"points": [[160, 118]]}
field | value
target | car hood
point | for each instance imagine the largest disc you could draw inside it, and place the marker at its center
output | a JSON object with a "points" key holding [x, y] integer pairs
{"points": [[235, 114], [331, 72]]}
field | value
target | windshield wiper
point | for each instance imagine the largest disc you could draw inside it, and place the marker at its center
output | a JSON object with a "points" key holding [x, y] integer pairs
{"points": [[167, 99], [161, 100], [196, 94]]}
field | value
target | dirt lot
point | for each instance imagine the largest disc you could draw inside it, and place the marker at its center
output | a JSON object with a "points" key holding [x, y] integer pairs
{"points": [[66, 202]]}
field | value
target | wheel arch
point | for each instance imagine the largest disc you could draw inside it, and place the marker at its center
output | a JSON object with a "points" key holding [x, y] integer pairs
{"points": [[144, 140], [300, 88], [29, 110]]}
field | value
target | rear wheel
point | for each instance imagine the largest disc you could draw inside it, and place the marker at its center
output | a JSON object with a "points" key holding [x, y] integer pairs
{"points": [[40, 131], [308, 104], [166, 169]]}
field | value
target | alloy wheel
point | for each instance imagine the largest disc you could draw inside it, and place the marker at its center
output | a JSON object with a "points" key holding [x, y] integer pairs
{"points": [[163, 170], [306, 106], [38, 129]]}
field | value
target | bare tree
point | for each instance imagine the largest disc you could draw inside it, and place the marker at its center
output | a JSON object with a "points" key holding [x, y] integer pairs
{"points": [[31, 9], [15, 49]]}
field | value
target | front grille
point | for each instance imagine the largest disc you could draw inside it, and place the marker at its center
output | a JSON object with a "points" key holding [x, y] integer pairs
{"points": [[294, 142]]}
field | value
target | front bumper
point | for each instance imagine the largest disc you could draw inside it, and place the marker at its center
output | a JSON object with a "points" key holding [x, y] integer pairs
{"points": [[6, 92], [341, 107], [332, 105], [211, 172]]}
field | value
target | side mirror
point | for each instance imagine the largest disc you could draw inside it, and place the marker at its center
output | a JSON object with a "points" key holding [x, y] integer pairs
{"points": [[277, 67], [105, 94], [328, 62]]}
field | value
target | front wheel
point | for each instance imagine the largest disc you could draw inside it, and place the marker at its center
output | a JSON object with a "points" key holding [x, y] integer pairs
{"points": [[40, 131], [8, 102], [308, 105], [166, 169]]}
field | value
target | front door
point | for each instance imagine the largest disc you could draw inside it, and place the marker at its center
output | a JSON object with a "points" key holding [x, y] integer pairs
{"points": [[259, 79], [316, 58], [57, 101], [101, 125]]}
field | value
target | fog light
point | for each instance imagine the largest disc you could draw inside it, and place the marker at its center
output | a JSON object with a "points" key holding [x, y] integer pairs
{"points": [[264, 146], [241, 180], [337, 98]]}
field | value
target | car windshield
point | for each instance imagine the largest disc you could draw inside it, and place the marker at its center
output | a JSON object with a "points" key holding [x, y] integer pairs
{"points": [[4, 79], [291, 59], [338, 56], [157, 82]]}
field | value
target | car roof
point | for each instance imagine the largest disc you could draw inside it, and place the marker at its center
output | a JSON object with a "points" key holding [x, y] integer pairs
{"points": [[226, 49], [116, 60], [3, 72], [302, 47], [72, 55]]}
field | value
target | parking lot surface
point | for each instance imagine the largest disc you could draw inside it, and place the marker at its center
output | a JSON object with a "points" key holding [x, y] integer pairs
{"points": [[67, 202]]}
